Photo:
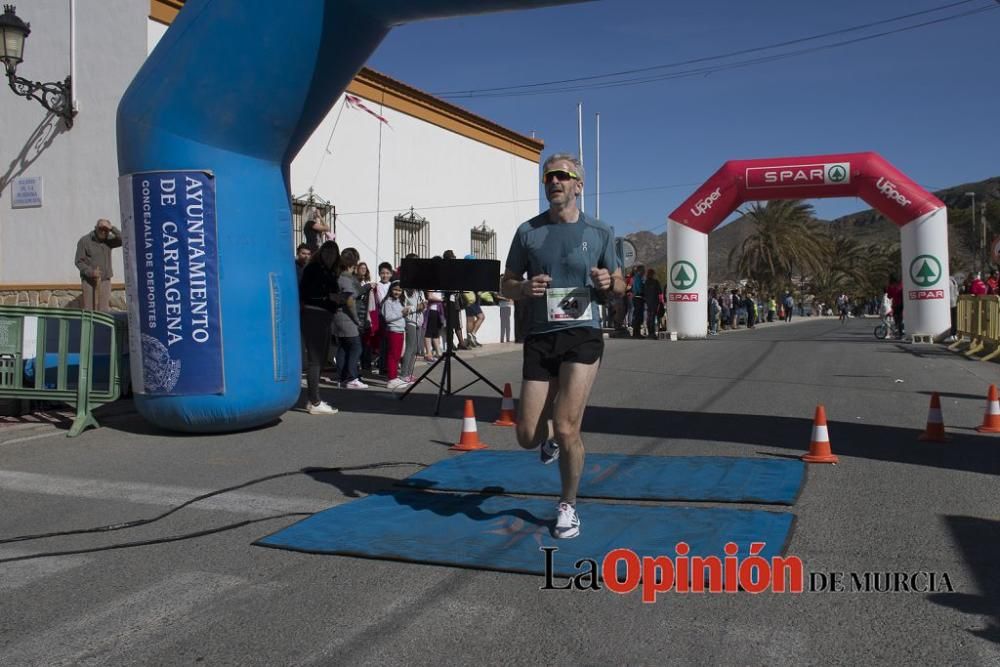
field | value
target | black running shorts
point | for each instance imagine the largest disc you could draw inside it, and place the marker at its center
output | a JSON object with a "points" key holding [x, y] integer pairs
{"points": [[544, 353]]}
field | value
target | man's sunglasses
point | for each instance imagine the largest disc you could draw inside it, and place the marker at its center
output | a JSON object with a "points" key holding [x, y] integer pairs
{"points": [[560, 175]]}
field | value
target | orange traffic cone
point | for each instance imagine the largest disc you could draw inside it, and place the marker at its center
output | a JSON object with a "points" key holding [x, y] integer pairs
{"points": [[507, 417], [991, 420], [935, 423], [819, 448], [470, 436]]}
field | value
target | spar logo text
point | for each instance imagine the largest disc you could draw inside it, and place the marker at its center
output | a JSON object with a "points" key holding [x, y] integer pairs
{"points": [[798, 175]]}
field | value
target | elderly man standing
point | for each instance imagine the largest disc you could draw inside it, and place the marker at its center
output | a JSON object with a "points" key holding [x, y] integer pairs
{"points": [[93, 259]]}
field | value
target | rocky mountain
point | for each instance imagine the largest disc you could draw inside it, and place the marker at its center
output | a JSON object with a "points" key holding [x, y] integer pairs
{"points": [[869, 227]]}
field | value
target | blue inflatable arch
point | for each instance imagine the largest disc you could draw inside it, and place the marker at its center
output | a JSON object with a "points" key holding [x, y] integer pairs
{"points": [[206, 133]]}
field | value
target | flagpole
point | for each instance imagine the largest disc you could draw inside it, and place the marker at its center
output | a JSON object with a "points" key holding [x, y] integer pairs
{"points": [[329, 142], [597, 159], [579, 136], [356, 103], [378, 197]]}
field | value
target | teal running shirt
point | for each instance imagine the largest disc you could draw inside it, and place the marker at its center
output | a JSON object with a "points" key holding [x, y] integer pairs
{"points": [[566, 252]]}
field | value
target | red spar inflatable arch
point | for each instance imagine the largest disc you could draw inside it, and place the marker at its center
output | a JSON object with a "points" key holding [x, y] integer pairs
{"points": [[921, 217], [864, 175]]}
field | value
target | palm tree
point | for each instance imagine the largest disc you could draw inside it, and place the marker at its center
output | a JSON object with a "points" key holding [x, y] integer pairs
{"points": [[828, 283], [881, 262], [785, 238], [855, 270], [850, 259]]}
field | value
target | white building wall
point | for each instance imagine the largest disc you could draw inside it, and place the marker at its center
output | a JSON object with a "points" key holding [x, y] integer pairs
{"points": [[455, 182], [370, 171], [78, 166]]}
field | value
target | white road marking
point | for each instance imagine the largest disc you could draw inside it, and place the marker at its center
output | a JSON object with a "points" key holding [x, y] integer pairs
{"points": [[154, 494], [20, 574], [123, 625], [28, 438]]}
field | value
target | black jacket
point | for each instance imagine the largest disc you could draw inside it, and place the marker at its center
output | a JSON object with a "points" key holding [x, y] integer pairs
{"points": [[318, 288]]}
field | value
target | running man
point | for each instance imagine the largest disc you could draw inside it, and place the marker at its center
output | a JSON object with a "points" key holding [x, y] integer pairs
{"points": [[842, 305], [571, 264]]}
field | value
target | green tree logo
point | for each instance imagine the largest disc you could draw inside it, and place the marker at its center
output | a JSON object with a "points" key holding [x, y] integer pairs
{"points": [[683, 275], [925, 270], [836, 173]]}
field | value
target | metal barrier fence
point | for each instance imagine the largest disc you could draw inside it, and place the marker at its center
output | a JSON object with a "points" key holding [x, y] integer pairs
{"points": [[978, 325], [48, 354]]}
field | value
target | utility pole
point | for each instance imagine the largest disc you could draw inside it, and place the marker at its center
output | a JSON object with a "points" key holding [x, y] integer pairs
{"points": [[974, 253], [982, 243], [579, 138], [597, 159]]}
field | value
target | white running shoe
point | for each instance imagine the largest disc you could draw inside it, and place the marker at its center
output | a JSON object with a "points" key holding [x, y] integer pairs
{"points": [[567, 522], [356, 383], [396, 383], [321, 408]]}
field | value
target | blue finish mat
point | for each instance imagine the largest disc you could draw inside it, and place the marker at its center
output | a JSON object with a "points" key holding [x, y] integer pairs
{"points": [[504, 533], [620, 476]]}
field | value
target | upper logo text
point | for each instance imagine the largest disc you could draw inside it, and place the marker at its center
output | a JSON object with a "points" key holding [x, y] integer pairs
{"points": [[891, 190], [703, 205]]}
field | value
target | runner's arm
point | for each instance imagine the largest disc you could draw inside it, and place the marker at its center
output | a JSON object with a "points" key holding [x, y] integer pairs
{"points": [[617, 282], [516, 288], [608, 263]]}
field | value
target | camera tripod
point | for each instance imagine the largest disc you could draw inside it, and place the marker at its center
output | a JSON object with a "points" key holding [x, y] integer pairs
{"points": [[444, 386]]}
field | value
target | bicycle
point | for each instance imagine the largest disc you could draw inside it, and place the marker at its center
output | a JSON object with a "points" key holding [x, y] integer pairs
{"points": [[886, 326]]}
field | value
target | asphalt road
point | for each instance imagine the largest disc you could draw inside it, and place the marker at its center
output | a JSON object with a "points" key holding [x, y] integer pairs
{"points": [[893, 504]]}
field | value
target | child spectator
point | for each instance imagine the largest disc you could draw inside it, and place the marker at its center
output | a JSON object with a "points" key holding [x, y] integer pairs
{"points": [[378, 297], [394, 314], [413, 299], [363, 274]]}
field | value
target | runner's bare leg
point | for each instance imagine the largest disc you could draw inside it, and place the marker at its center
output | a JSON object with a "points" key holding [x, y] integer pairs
{"points": [[575, 383], [535, 411]]}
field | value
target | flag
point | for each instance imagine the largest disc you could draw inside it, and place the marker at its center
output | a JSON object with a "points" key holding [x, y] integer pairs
{"points": [[356, 103]]}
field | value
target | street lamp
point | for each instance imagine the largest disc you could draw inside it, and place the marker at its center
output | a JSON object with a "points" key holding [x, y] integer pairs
{"points": [[982, 243], [53, 96], [974, 253]]}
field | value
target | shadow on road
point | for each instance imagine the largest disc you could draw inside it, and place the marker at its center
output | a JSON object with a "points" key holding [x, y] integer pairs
{"points": [[448, 504], [352, 484], [979, 540], [967, 451]]}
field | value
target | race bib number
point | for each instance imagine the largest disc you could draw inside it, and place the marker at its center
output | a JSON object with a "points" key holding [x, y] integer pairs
{"points": [[568, 304]]}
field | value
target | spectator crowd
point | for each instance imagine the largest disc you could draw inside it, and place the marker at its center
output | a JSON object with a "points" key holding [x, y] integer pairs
{"points": [[367, 328]]}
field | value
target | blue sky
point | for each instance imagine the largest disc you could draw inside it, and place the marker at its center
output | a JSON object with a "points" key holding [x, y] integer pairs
{"points": [[926, 99]]}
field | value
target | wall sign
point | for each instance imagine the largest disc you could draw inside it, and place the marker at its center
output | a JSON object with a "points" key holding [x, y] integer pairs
{"points": [[26, 192]]}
